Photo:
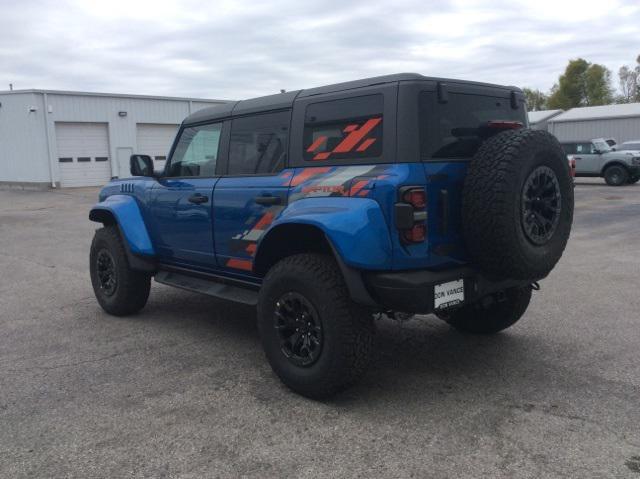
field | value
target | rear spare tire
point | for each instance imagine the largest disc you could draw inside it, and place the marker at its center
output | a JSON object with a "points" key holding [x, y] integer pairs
{"points": [[517, 205]]}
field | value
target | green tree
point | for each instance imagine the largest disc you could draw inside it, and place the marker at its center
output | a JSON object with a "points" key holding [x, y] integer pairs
{"points": [[582, 84], [536, 100], [629, 79], [598, 85]]}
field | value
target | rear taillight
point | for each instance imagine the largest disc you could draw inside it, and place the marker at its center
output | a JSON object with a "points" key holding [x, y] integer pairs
{"points": [[415, 234], [504, 124], [411, 214], [416, 197]]}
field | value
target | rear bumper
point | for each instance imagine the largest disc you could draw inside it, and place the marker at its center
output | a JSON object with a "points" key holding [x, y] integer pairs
{"points": [[413, 291]]}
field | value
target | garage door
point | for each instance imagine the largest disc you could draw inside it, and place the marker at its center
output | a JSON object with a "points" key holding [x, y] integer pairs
{"points": [[83, 154], [155, 140]]}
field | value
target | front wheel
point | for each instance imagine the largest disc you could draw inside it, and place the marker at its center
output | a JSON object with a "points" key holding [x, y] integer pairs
{"points": [[316, 339], [616, 175], [119, 289], [491, 314]]}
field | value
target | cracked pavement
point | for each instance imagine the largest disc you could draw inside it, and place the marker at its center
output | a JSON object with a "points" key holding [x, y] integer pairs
{"points": [[183, 389]]}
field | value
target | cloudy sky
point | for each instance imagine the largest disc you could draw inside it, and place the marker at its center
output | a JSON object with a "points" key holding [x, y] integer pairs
{"points": [[240, 49]]}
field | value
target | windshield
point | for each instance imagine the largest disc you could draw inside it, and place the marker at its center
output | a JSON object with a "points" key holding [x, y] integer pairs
{"points": [[601, 145]]}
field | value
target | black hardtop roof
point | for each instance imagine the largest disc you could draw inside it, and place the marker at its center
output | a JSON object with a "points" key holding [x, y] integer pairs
{"points": [[285, 100]]}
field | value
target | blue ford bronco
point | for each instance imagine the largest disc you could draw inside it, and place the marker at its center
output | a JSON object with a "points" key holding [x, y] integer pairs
{"points": [[324, 207]]}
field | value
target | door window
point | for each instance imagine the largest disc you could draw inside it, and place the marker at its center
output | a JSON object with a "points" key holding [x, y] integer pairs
{"points": [[259, 144], [196, 152], [584, 148]]}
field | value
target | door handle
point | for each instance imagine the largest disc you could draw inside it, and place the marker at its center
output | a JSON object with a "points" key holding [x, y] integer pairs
{"points": [[577, 158], [268, 200], [198, 199]]}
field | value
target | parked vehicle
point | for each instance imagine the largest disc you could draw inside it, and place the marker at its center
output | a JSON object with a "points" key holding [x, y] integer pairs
{"points": [[572, 166], [632, 145], [396, 194], [597, 158]]}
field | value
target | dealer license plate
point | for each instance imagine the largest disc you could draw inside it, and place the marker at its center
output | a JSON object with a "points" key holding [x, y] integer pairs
{"points": [[448, 294]]}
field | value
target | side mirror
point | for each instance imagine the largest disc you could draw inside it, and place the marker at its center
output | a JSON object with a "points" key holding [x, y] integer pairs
{"points": [[141, 165]]}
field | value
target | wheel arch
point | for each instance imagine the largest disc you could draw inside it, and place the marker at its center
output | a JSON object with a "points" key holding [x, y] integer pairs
{"points": [[104, 216], [288, 239], [614, 163], [123, 212]]}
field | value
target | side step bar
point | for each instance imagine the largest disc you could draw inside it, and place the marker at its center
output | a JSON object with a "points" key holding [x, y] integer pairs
{"points": [[208, 287]]}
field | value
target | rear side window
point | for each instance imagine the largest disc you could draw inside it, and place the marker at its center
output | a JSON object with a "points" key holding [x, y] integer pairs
{"points": [[340, 129], [454, 129], [259, 144], [569, 148]]}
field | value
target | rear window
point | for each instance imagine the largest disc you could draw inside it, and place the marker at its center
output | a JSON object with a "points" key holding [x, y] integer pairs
{"points": [[453, 129], [341, 129]]}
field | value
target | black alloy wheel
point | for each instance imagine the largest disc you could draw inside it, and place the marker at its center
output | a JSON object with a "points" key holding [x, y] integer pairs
{"points": [[541, 205], [106, 269], [299, 329]]}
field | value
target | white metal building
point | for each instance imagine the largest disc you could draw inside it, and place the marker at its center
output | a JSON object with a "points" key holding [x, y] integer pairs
{"points": [[538, 120], [59, 138], [621, 122]]}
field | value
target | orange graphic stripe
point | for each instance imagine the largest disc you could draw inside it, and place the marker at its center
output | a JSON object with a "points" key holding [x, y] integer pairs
{"points": [[366, 144], [356, 136], [316, 144], [237, 263], [307, 174], [355, 188], [322, 156], [264, 221]]}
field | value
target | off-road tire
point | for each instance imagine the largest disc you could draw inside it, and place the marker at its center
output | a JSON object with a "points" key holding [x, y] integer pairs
{"points": [[616, 175], [347, 328], [490, 315], [132, 287], [492, 204]]}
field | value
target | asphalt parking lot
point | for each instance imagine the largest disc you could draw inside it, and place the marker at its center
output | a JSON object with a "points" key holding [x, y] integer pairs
{"points": [[183, 389]]}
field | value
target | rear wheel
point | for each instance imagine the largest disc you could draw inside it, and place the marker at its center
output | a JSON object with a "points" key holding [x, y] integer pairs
{"points": [[616, 175], [316, 339], [119, 289], [491, 314]]}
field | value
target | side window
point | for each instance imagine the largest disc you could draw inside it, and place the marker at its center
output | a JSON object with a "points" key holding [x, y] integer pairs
{"points": [[339, 129], [569, 148], [259, 144], [584, 148], [196, 153]]}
